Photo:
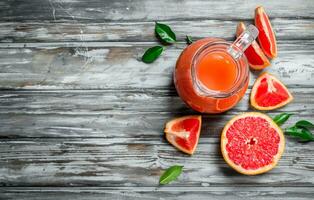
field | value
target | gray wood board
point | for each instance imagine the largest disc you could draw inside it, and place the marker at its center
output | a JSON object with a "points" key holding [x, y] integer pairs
{"points": [[185, 193], [101, 65], [135, 10], [81, 117], [116, 113], [137, 161], [60, 31]]}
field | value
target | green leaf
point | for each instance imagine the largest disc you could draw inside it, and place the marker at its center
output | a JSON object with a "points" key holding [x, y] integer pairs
{"points": [[189, 39], [165, 33], [304, 134], [304, 124], [170, 174], [152, 54], [281, 118]]}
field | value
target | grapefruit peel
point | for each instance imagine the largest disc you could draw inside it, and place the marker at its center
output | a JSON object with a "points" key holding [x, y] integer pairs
{"points": [[254, 54], [177, 135], [266, 36], [283, 95], [263, 169]]}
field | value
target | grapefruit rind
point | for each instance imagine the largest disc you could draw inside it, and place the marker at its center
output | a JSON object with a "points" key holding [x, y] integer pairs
{"points": [[264, 26], [255, 87], [171, 135], [257, 50], [261, 170], [227, 103]]}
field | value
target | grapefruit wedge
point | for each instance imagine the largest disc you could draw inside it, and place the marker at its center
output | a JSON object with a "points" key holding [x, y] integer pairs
{"points": [[268, 93], [266, 36], [251, 143], [254, 54], [184, 132]]}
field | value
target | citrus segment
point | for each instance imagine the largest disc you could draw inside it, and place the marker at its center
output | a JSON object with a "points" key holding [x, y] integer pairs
{"points": [[266, 36], [183, 133], [227, 103], [252, 143], [269, 93], [255, 56]]}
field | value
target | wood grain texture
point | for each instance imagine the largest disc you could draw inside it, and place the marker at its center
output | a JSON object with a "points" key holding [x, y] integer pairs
{"points": [[116, 113], [130, 193], [38, 31], [137, 161], [121, 10], [82, 117], [115, 65]]}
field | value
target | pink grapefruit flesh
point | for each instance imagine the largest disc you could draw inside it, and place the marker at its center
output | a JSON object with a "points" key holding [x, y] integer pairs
{"points": [[183, 133], [252, 143], [266, 36], [254, 54], [268, 93]]}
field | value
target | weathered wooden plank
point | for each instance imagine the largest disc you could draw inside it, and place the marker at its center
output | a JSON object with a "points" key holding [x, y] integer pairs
{"points": [[137, 162], [107, 126], [128, 152], [115, 65], [95, 102], [119, 10], [286, 29], [201, 193], [115, 113]]}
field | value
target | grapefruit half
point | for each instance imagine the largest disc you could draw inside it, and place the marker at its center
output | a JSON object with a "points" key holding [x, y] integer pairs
{"points": [[268, 93], [254, 54], [266, 36], [251, 143], [184, 132]]}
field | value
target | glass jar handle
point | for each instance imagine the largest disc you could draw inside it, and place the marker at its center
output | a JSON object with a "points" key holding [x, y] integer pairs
{"points": [[238, 47]]}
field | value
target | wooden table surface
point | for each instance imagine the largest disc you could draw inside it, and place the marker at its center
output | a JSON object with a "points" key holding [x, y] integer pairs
{"points": [[82, 117]]}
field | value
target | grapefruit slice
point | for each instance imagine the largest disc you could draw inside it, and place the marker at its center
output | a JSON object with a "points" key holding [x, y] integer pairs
{"points": [[251, 143], [266, 36], [268, 93], [254, 54], [183, 132], [227, 103]]}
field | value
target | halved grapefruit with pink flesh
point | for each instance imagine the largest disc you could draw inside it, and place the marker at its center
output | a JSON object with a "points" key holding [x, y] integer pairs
{"points": [[251, 143], [184, 132], [268, 93]]}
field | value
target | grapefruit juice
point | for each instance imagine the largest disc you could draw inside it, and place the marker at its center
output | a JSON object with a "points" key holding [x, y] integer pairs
{"points": [[208, 78], [217, 71]]}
